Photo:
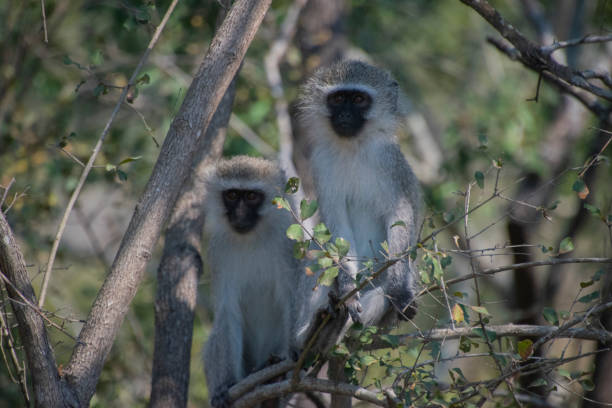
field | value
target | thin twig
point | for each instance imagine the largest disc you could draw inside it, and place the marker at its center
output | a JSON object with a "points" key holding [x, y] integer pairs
{"points": [[492, 271], [44, 19], [96, 150]]}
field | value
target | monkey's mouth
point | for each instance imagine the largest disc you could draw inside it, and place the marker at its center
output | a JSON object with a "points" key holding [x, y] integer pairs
{"points": [[242, 226], [347, 126]]}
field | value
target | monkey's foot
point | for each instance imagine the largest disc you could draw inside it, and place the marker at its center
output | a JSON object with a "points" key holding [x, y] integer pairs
{"points": [[408, 311], [354, 309]]}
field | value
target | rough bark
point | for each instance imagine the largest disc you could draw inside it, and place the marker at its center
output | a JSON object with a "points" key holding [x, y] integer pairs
{"points": [[210, 83], [49, 390], [180, 269]]}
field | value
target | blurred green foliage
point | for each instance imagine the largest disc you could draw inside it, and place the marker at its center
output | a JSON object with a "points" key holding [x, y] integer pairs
{"points": [[59, 95]]}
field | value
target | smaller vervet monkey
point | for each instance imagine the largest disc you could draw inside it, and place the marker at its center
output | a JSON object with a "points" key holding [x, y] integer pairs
{"points": [[351, 111], [254, 274]]}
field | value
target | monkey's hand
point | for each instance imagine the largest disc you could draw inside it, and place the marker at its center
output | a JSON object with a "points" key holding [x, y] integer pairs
{"points": [[405, 304], [220, 398]]}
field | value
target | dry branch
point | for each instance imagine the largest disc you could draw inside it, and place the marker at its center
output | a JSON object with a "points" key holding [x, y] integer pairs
{"points": [[49, 390], [221, 63], [540, 60]]}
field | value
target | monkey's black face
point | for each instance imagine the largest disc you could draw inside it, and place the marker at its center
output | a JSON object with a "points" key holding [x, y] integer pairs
{"points": [[242, 208], [348, 109]]}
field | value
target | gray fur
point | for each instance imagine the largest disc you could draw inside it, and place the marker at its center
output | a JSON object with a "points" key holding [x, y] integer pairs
{"points": [[364, 185], [254, 278]]}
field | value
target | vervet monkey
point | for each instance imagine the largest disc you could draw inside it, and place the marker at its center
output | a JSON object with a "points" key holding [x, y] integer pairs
{"points": [[351, 111], [254, 274]]}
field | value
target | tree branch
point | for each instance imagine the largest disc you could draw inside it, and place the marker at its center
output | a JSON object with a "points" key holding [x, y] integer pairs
{"points": [[221, 63], [49, 390], [180, 269]]}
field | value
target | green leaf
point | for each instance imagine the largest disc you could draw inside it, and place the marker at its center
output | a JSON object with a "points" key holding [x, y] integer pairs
{"points": [[479, 179], [437, 269], [99, 90], [122, 176], [295, 232], [398, 224], [593, 210], [445, 261], [566, 245], [328, 276], [586, 284], [367, 361], [325, 262], [129, 159], [465, 344], [67, 60], [300, 249], [590, 297], [540, 382], [525, 348], [390, 339], [385, 246], [480, 309], [110, 167], [491, 335], [321, 233], [343, 246], [581, 189], [564, 373], [307, 209], [551, 316], [281, 202], [587, 384], [143, 80], [292, 186]]}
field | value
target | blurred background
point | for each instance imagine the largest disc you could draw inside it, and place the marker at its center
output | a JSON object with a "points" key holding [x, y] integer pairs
{"points": [[470, 109]]}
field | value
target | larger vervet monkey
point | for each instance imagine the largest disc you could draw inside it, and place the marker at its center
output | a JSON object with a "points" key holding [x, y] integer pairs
{"points": [[254, 273], [351, 111]]}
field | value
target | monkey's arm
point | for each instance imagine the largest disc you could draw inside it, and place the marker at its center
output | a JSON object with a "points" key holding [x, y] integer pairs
{"points": [[223, 356], [337, 220]]}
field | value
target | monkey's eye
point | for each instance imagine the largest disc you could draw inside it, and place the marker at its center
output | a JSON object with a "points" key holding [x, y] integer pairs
{"points": [[253, 196], [361, 100], [336, 99], [231, 195]]}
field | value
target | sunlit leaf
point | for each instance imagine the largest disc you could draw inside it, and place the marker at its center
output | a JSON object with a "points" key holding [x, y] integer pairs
{"points": [[307, 209], [457, 313], [295, 232], [525, 348], [321, 233], [566, 245], [343, 246], [328, 276]]}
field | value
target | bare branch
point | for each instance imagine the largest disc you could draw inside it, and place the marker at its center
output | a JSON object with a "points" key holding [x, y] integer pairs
{"points": [[492, 271], [587, 39], [48, 388], [538, 59], [308, 384]]}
